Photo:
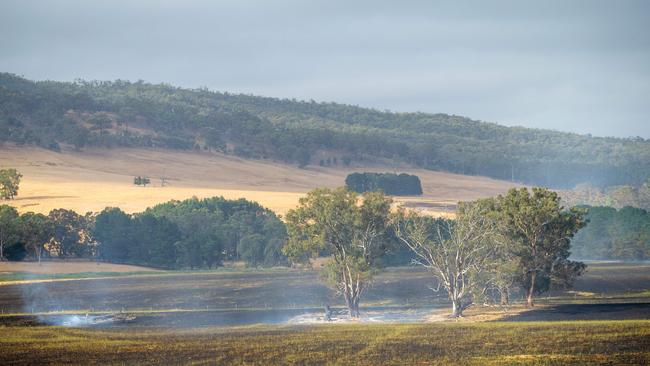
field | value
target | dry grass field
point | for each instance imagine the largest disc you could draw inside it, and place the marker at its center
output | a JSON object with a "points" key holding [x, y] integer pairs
{"points": [[66, 267], [94, 179]]}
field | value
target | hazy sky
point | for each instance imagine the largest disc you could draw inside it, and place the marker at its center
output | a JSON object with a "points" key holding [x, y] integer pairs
{"points": [[579, 66]]}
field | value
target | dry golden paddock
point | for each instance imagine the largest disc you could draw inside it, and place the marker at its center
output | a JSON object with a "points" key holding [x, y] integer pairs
{"points": [[94, 179]]}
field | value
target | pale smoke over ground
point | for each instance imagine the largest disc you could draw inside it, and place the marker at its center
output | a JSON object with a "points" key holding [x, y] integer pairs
{"points": [[217, 299]]}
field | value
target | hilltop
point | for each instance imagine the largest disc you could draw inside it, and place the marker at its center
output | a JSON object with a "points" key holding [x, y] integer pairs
{"points": [[88, 115]]}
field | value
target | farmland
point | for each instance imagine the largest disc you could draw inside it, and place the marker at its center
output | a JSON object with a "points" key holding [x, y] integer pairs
{"points": [[242, 316], [548, 343], [99, 178], [230, 289]]}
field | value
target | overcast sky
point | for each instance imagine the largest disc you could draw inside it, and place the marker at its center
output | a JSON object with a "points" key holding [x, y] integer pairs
{"points": [[580, 66]]}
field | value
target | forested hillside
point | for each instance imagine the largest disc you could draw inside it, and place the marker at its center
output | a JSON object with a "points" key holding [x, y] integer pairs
{"points": [[137, 114]]}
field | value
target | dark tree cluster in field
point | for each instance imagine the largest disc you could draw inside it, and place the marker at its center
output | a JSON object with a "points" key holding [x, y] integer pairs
{"points": [[62, 233], [614, 234], [178, 234], [192, 234], [390, 183], [122, 113], [141, 181]]}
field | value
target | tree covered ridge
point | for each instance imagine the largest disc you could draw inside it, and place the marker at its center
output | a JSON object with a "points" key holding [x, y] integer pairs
{"points": [[139, 114]]}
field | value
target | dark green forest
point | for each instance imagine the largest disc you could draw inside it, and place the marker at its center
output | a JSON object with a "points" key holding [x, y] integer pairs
{"points": [[614, 234], [194, 233], [389, 183], [137, 114]]}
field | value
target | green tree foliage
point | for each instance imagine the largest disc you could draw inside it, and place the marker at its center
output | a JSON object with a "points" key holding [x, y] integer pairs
{"points": [[101, 122], [141, 181], [37, 231], [9, 183], [143, 239], [114, 233], [155, 241], [540, 231], [390, 183], [216, 229], [251, 249], [614, 234], [40, 113], [71, 235], [355, 235], [179, 234], [10, 232]]}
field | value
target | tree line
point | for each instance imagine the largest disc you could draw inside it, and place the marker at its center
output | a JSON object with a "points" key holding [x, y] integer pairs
{"points": [[614, 234], [62, 233], [390, 183], [137, 114], [616, 196], [194, 233]]}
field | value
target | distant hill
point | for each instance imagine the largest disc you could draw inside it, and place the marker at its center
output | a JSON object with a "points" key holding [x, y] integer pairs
{"points": [[137, 114]]}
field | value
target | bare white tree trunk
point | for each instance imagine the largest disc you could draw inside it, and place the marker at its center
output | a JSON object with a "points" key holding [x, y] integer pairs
{"points": [[454, 252]]}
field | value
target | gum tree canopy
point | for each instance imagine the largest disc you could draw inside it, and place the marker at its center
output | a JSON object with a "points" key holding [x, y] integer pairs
{"points": [[9, 182], [541, 231], [352, 228], [457, 253]]}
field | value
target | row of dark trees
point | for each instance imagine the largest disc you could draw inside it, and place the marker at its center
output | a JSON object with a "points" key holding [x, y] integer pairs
{"points": [[138, 114], [390, 183], [520, 239], [617, 196], [614, 234], [62, 233], [195, 233], [179, 234]]}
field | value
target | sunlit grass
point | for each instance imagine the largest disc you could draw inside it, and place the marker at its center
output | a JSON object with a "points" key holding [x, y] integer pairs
{"points": [[573, 342]]}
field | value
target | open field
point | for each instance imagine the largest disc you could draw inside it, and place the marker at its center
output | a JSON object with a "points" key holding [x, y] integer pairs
{"points": [[240, 316], [546, 343], [94, 179], [65, 267], [289, 289]]}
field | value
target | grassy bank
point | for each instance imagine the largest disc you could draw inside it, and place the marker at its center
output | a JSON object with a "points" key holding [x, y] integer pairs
{"points": [[575, 342]]}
